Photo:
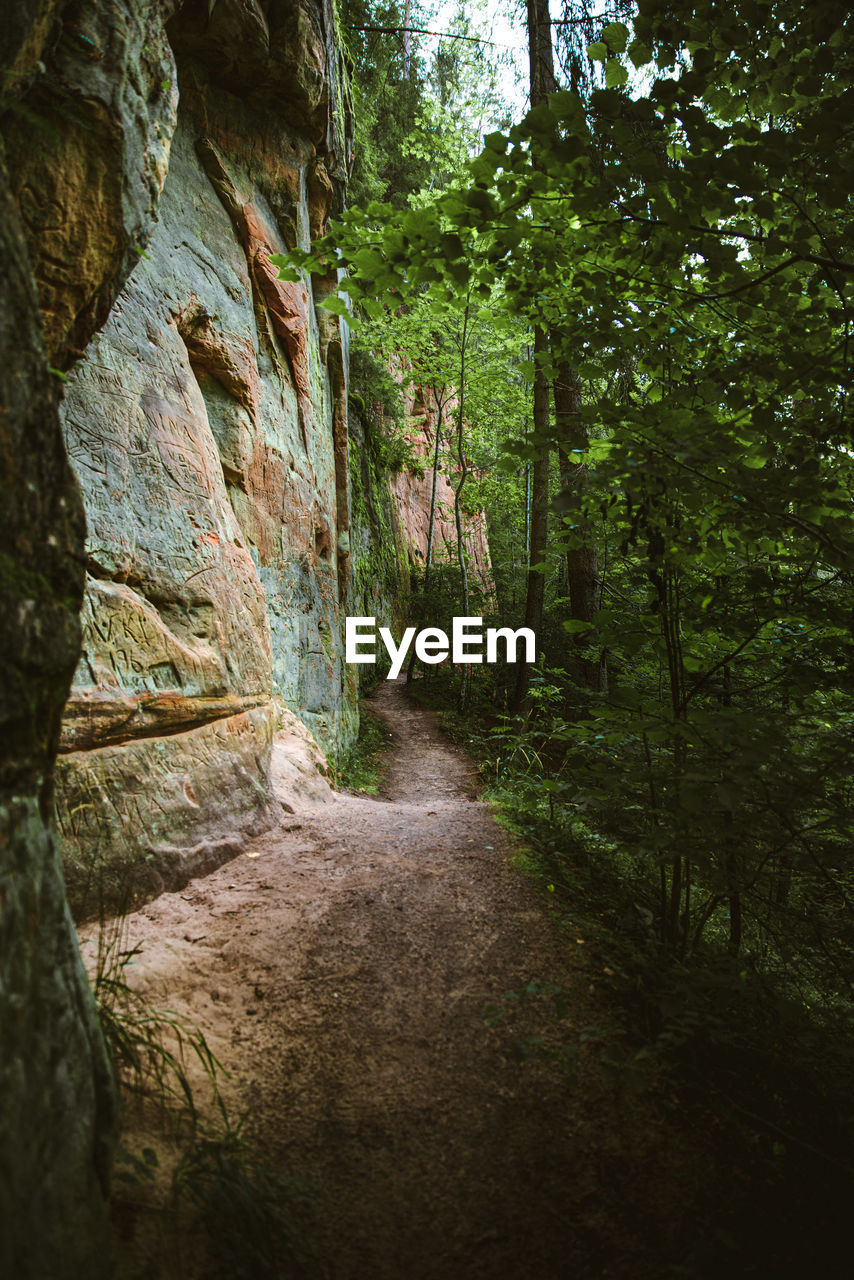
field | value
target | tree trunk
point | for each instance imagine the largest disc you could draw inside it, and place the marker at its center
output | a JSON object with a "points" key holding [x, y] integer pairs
{"points": [[581, 568], [440, 406], [540, 57], [542, 83], [458, 515], [539, 524], [407, 38]]}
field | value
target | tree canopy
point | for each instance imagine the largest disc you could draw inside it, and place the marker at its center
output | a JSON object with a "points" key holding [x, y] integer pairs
{"points": [[675, 217]]}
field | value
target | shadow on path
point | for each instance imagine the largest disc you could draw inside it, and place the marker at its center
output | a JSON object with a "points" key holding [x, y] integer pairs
{"points": [[340, 969]]}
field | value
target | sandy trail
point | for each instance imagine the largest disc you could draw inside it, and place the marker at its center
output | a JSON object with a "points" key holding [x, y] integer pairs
{"points": [[340, 970]]}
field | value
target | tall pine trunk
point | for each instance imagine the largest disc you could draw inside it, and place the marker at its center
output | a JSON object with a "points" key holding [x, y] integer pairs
{"points": [[541, 64]]}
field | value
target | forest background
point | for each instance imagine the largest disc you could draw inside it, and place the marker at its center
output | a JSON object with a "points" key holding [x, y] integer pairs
{"points": [[631, 299]]}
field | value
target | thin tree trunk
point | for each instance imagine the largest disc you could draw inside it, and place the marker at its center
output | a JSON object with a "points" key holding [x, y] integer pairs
{"points": [[542, 83], [407, 37], [440, 406], [731, 858], [540, 56], [539, 524], [581, 568], [458, 515]]}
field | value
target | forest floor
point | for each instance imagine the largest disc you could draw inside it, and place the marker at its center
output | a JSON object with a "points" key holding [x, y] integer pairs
{"points": [[340, 969]]}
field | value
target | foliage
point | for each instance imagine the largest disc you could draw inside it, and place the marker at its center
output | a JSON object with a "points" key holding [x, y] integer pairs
{"points": [[362, 768], [716, 1042], [386, 103], [688, 247], [415, 124], [377, 397], [250, 1209], [379, 567], [147, 1045]]}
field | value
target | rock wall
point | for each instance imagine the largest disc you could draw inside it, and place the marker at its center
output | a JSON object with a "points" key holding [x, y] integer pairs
{"points": [[207, 425], [151, 159], [56, 1094], [155, 154], [177, 147], [411, 491], [390, 519]]}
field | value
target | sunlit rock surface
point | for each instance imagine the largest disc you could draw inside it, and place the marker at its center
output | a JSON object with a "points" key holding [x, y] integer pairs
{"points": [[230, 524], [154, 156], [207, 425], [412, 491]]}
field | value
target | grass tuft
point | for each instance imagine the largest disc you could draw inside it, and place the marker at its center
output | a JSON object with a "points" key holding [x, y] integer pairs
{"points": [[243, 1211], [362, 769]]}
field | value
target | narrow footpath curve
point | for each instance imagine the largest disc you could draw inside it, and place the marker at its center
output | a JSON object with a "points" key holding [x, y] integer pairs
{"points": [[340, 970]]}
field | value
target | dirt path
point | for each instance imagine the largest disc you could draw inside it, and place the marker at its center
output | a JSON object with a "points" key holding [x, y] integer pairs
{"points": [[340, 970]]}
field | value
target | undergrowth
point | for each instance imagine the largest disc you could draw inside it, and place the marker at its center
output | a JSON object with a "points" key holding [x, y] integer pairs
{"points": [[246, 1205], [248, 1213], [362, 768], [148, 1046], [721, 1047]]}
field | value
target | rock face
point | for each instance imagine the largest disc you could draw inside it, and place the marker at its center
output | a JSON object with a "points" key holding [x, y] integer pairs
{"points": [[207, 425], [412, 491], [56, 1096], [177, 149], [87, 149], [155, 155]]}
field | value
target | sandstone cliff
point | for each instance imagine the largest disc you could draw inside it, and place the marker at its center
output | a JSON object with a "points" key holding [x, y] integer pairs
{"points": [[206, 423], [155, 154], [411, 490], [206, 420]]}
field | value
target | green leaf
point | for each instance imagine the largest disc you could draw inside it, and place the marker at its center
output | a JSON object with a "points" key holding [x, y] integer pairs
{"points": [[289, 273], [616, 35], [597, 52], [615, 74], [336, 305], [639, 53]]}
